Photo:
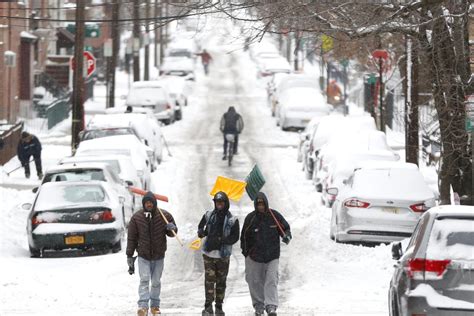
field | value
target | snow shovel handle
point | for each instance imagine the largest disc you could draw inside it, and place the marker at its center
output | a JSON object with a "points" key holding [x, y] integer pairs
{"points": [[143, 192], [277, 223], [167, 222]]}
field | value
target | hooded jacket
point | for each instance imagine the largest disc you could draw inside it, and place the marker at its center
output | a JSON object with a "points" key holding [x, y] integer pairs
{"points": [[231, 122], [221, 229], [147, 231], [27, 149], [260, 237]]}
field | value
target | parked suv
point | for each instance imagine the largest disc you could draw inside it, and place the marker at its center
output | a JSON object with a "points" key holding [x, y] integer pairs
{"points": [[434, 275]]}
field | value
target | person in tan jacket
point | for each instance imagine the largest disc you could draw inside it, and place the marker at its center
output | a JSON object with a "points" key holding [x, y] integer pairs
{"points": [[147, 233]]}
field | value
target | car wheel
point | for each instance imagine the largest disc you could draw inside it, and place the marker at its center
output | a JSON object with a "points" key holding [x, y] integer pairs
{"points": [[117, 247], [308, 175], [35, 253], [332, 227]]}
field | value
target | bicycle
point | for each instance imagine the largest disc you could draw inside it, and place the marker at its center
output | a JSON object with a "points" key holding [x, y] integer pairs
{"points": [[230, 147]]}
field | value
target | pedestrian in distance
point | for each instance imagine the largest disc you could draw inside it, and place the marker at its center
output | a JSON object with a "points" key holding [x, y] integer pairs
{"points": [[30, 146], [260, 243], [220, 230], [206, 59], [147, 233], [231, 123]]}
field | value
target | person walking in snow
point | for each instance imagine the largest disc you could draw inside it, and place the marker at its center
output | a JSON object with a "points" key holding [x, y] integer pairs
{"points": [[29, 145], [220, 230], [231, 123], [260, 243], [206, 59], [147, 233]]}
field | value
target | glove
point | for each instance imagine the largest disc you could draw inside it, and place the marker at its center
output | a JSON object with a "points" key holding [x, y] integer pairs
{"points": [[170, 227], [131, 264], [202, 233], [286, 239]]}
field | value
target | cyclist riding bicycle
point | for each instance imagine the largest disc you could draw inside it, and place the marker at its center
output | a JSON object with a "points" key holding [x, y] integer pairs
{"points": [[231, 123]]}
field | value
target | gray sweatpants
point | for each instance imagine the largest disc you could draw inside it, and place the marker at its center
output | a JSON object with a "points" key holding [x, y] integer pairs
{"points": [[262, 279]]}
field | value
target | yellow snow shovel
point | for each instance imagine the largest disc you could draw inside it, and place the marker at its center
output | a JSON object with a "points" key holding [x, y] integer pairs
{"points": [[233, 188], [196, 244]]}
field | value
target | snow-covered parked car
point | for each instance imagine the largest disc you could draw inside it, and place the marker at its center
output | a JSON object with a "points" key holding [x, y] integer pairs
{"points": [[434, 272], [119, 164], [327, 127], [270, 66], [290, 81], [179, 66], [147, 129], [305, 135], [155, 96], [127, 145], [369, 143], [380, 204], [299, 105], [179, 88], [75, 215], [90, 171]]}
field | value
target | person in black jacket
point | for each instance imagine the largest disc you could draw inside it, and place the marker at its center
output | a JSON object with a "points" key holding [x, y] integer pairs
{"points": [[231, 123], [260, 243], [220, 230], [28, 146]]}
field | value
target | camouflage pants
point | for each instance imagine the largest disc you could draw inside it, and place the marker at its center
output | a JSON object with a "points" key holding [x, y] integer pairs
{"points": [[216, 270]]}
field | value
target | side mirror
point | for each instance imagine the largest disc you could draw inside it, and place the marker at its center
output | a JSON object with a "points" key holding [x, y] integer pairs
{"points": [[332, 191], [34, 190], [177, 103], [397, 251], [129, 183], [26, 206], [345, 181]]}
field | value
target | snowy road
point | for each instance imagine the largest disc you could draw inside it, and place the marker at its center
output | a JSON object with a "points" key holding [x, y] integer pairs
{"points": [[317, 276]]}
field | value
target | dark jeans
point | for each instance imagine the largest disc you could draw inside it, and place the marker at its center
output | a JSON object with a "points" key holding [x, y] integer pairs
{"points": [[215, 279], [26, 164], [236, 143]]}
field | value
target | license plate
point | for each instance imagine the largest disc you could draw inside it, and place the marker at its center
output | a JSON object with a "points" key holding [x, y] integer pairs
{"points": [[74, 240], [392, 210]]}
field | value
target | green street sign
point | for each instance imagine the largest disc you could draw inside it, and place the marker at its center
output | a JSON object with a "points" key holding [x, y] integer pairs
{"points": [[92, 30], [372, 79], [255, 182], [469, 125]]}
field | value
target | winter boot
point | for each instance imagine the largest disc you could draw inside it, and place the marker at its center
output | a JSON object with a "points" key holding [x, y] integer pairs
{"points": [[271, 310], [224, 158], [155, 311], [27, 175], [142, 311], [207, 311], [219, 310], [40, 175]]}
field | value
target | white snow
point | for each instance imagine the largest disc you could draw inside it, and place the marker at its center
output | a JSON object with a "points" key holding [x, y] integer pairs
{"points": [[452, 239], [438, 300]]}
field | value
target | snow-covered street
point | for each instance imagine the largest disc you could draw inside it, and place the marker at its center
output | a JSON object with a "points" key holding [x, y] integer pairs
{"points": [[317, 275]]}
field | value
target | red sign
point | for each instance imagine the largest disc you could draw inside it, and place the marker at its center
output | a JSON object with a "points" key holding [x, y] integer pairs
{"points": [[89, 63], [380, 53]]}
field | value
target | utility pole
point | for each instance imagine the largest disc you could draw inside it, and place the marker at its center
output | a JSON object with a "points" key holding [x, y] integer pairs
{"points": [[155, 26], [381, 91], [78, 79], [162, 44], [146, 75], [115, 49], [136, 40]]}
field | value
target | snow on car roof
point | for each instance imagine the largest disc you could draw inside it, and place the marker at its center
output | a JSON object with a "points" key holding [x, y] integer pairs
{"points": [[77, 165], [120, 142], [391, 184], [443, 210]]}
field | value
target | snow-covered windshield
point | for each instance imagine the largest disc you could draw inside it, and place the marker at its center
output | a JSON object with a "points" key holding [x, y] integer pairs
{"points": [[451, 238], [98, 133], [56, 196], [75, 175]]}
